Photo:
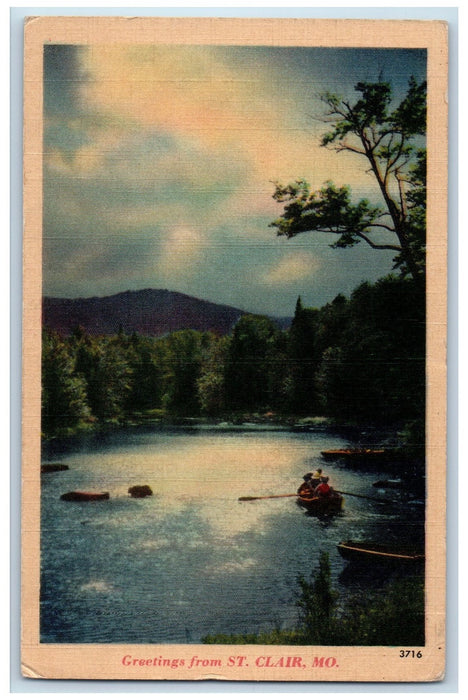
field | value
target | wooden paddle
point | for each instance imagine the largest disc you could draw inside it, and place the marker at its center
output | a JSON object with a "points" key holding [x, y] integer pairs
{"points": [[258, 498], [289, 495], [368, 498]]}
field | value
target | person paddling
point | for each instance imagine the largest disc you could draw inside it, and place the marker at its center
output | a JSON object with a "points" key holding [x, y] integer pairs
{"points": [[315, 479], [323, 490], [311, 481]]}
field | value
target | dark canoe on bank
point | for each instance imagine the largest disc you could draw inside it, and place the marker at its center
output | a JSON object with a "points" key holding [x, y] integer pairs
{"points": [[321, 506], [85, 496], [373, 553]]}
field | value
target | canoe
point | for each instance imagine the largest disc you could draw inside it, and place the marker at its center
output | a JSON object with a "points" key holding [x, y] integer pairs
{"points": [[321, 506], [85, 496], [373, 553]]}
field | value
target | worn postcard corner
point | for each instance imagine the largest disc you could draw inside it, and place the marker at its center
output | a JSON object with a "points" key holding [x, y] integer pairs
{"points": [[234, 372]]}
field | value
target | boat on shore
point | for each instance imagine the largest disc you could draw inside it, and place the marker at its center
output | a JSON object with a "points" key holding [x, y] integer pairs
{"points": [[85, 496], [317, 505], [374, 553]]}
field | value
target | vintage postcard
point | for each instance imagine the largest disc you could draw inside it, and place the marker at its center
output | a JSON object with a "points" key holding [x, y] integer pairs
{"points": [[235, 240]]}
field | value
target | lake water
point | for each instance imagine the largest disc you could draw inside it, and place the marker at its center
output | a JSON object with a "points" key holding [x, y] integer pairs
{"points": [[192, 559]]}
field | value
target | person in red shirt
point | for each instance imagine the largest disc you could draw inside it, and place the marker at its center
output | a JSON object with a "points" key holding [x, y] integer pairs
{"points": [[323, 490]]}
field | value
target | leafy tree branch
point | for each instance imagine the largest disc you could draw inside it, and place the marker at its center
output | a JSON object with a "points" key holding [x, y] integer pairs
{"points": [[391, 142]]}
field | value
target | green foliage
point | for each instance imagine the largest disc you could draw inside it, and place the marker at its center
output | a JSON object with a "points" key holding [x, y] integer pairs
{"points": [[211, 382], [317, 605], [250, 371], [115, 376], [371, 618], [390, 142], [182, 363], [303, 360], [410, 117], [392, 616], [145, 364], [329, 210], [370, 111], [64, 401], [105, 369], [374, 368]]}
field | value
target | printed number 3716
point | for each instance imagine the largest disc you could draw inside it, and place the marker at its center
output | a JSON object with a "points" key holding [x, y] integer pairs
{"points": [[405, 653]]}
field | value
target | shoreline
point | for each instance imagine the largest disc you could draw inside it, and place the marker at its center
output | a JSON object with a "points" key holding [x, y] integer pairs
{"points": [[366, 435]]}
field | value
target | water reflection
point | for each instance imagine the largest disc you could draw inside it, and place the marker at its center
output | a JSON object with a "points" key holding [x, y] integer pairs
{"points": [[192, 559]]}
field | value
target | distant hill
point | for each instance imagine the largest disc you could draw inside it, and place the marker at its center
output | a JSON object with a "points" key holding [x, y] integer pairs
{"points": [[150, 312]]}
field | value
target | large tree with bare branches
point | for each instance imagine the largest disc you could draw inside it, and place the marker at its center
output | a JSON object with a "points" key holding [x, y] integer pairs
{"points": [[390, 139]]}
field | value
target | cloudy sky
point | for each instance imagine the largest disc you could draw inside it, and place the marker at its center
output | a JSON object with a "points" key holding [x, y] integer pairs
{"points": [[159, 164]]}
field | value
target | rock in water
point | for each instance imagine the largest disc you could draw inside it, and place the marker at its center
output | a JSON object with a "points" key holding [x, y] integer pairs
{"points": [[49, 468], [140, 491]]}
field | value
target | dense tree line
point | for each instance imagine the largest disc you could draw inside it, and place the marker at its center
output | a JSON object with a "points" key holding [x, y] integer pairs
{"points": [[356, 359]]}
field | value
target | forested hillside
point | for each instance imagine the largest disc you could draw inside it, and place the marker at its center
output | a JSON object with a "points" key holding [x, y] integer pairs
{"points": [[151, 312], [356, 359]]}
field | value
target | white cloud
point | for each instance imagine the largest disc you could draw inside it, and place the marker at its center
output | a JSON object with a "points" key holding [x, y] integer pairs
{"points": [[292, 268], [181, 250]]}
